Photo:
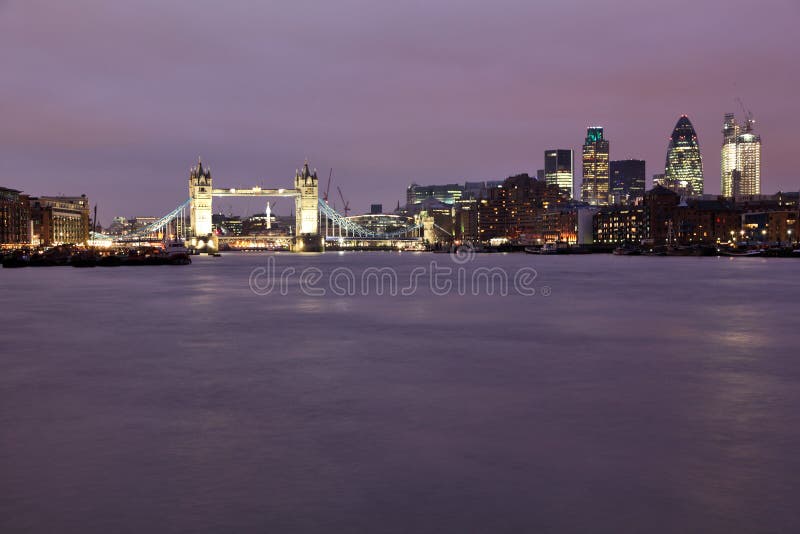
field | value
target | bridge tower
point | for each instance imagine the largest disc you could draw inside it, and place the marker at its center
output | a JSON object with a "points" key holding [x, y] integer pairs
{"points": [[200, 207], [306, 211]]}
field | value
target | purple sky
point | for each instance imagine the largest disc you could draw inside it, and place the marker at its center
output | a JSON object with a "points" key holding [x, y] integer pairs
{"points": [[117, 99]]}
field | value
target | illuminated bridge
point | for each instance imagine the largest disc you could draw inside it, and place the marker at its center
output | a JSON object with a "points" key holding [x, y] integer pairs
{"points": [[316, 222]]}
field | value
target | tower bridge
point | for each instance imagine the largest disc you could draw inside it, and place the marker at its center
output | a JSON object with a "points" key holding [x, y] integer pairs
{"points": [[316, 222], [305, 193]]}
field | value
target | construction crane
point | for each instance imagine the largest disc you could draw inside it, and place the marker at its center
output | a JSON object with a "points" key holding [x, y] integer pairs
{"points": [[748, 115], [328, 187], [346, 203]]}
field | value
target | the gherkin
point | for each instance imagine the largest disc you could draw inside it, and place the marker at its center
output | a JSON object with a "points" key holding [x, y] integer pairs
{"points": [[684, 167]]}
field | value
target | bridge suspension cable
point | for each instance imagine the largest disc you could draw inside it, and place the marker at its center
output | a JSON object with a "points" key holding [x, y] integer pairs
{"points": [[338, 226]]}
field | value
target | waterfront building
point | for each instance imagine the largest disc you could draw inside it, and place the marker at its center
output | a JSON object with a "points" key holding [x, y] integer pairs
{"points": [[594, 188], [558, 169], [15, 216], [684, 165], [447, 193], [740, 163], [516, 209], [627, 180], [376, 209], [773, 227], [59, 220], [664, 217], [620, 225]]}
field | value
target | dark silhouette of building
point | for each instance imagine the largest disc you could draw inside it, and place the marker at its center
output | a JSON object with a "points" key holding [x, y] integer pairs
{"points": [[627, 180]]}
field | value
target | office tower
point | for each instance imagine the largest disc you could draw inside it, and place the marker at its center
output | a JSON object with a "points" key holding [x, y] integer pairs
{"points": [[627, 180], [594, 188], [447, 194], [558, 169], [741, 157], [684, 166]]}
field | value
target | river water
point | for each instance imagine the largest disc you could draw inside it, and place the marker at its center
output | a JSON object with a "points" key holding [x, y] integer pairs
{"points": [[627, 394]]}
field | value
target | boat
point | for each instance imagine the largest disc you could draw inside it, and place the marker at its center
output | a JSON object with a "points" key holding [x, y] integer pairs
{"points": [[110, 260], [739, 253], [176, 253], [57, 256], [627, 251], [16, 260], [85, 258]]}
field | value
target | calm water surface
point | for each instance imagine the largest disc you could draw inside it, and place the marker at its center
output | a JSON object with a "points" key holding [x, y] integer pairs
{"points": [[642, 395]]}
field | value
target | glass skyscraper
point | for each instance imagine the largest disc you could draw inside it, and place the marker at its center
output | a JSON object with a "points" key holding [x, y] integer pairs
{"points": [[684, 166], [627, 180], [594, 188], [741, 158], [558, 169]]}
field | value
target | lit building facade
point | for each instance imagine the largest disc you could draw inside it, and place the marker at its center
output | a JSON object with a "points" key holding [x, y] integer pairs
{"points": [[627, 180], [594, 188], [558, 169], [59, 220], [447, 193], [15, 216], [381, 223], [740, 164], [684, 165]]}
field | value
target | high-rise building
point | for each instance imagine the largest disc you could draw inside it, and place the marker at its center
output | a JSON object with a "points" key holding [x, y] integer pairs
{"points": [[594, 188], [684, 166], [558, 169], [627, 180], [741, 158]]}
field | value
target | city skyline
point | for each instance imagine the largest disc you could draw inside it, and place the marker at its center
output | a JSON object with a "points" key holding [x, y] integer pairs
{"points": [[397, 96]]}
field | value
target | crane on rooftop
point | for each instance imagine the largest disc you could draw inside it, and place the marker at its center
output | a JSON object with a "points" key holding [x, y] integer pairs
{"points": [[346, 203]]}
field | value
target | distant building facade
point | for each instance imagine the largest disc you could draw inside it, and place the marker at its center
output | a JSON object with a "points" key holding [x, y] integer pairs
{"points": [[447, 193], [627, 180], [594, 188], [740, 164], [558, 169]]}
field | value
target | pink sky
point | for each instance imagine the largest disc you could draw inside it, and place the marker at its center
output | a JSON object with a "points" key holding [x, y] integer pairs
{"points": [[117, 99]]}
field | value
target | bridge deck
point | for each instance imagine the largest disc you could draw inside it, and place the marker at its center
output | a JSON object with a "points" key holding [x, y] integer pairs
{"points": [[253, 192]]}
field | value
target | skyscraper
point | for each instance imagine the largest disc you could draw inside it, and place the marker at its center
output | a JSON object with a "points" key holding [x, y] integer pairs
{"points": [[558, 169], [741, 158], [594, 188], [627, 180], [684, 166]]}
